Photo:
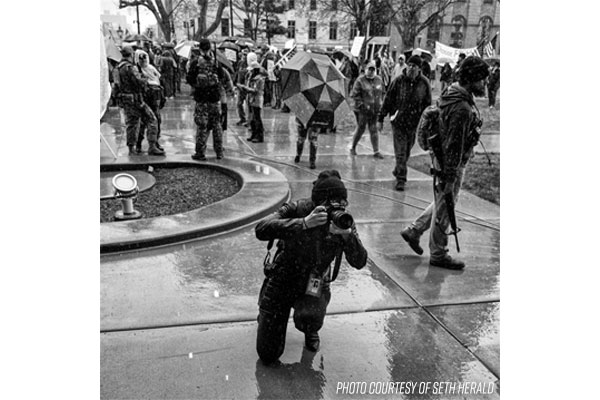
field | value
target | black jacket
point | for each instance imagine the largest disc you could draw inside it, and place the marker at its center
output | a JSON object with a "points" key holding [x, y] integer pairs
{"points": [[409, 98], [300, 250], [458, 112]]}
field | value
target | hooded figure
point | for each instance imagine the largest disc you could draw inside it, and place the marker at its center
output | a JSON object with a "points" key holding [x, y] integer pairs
{"points": [[460, 133], [168, 69], [153, 95], [300, 273]]}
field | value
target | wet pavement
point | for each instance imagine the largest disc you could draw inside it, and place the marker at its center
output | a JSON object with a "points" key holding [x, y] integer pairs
{"points": [[179, 321]]}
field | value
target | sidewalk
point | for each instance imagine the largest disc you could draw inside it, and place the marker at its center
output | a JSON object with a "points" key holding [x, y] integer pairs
{"points": [[179, 321]]}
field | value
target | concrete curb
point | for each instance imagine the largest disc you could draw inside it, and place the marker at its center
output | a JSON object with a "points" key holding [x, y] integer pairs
{"points": [[263, 190]]}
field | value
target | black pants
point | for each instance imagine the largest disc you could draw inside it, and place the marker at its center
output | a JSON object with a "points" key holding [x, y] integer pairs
{"points": [[276, 301], [224, 116], [256, 125], [492, 96]]}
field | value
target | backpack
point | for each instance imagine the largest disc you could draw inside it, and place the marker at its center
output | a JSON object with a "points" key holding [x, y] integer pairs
{"points": [[430, 124], [207, 78]]}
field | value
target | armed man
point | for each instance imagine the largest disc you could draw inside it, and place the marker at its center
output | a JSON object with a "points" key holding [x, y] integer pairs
{"points": [[206, 77], [451, 153], [131, 87], [311, 234]]}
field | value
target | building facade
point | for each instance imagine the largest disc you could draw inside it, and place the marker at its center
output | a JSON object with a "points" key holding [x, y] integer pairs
{"points": [[466, 23]]}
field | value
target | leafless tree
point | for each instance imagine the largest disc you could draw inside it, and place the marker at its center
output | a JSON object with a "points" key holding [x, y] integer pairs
{"points": [[163, 12]]}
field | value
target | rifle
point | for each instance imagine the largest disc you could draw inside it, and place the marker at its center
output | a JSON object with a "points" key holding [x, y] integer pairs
{"points": [[435, 144], [449, 200]]}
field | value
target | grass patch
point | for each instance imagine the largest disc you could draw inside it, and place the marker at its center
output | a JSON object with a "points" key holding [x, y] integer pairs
{"points": [[177, 190], [480, 178]]}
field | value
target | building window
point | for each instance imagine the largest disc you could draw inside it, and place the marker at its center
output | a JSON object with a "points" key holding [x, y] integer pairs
{"points": [[459, 23], [353, 30], [291, 4], [433, 32], [485, 25], [291, 33], [334, 5], [224, 26], [312, 29], [333, 25], [313, 4]]}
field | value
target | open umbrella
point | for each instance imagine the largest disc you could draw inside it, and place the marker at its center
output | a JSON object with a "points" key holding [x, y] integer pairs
{"points": [[229, 45], [443, 60], [136, 38], [316, 50], [315, 90], [245, 42]]}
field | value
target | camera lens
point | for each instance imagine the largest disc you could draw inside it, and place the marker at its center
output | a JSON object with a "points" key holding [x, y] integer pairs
{"points": [[342, 219]]}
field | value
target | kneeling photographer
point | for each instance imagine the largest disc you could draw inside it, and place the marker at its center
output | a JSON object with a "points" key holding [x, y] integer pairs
{"points": [[311, 234]]}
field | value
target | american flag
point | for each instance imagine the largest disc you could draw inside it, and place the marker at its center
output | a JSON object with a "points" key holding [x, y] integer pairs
{"points": [[489, 50]]}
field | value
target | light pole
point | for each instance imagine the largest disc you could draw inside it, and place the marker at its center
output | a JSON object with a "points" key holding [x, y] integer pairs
{"points": [[137, 16], [231, 17]]}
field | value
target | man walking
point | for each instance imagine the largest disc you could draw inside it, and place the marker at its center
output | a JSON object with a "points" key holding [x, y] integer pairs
{"points": [[131, 88], [459, 134], [206, 77], [408, 96], [367, 95]]}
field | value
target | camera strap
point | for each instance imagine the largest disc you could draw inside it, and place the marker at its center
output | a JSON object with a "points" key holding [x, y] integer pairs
{"points": [[267, 260], [336, 265]]}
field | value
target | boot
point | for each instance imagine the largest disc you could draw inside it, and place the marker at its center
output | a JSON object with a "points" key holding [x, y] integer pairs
{"points": [[199, 154], [312, 156], [132, 151], [447, 262], [412, 238], [155, 151], [138, 148], [312, 341], [299, 149]]}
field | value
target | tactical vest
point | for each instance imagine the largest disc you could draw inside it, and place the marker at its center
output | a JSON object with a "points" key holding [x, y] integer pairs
{"points": [[128, 83]]}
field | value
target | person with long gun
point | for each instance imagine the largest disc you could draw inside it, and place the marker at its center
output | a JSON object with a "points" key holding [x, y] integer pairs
{"points": [[456, 124]]}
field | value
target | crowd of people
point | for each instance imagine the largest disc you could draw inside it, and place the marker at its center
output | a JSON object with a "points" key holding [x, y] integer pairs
{"points": [[310, 236], [310, 232], [148, 76]]}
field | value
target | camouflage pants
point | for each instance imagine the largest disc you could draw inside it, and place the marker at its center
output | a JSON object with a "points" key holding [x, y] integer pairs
{"points": [[207, 117], [134, 113]]}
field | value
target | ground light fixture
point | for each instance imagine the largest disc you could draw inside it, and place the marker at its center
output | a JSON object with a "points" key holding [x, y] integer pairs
{"points": [[126, 189]]}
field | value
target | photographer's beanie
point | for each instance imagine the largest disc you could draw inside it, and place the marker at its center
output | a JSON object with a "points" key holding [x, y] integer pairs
{"points": [[328, 188]]}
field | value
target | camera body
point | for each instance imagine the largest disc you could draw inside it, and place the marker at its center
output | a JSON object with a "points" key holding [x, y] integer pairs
{"points": [[337, 214]]}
